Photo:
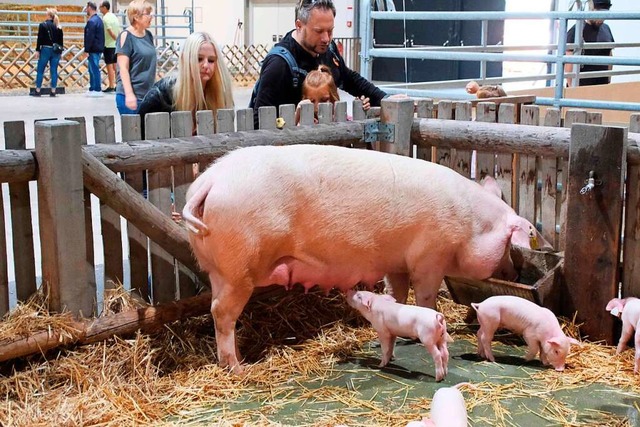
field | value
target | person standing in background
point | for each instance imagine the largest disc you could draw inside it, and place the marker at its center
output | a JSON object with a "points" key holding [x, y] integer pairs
{"points": [[594, 31], [136, 58], [94, 46], [49, 33], [111, 30]]}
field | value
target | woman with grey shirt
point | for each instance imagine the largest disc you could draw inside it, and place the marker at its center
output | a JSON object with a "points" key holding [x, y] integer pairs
{"points": [[136, 60]]}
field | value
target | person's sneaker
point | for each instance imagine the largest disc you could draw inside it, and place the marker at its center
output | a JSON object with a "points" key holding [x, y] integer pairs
{"points": [[109, 90], [97, 94], [52, 93], [35, 93]]}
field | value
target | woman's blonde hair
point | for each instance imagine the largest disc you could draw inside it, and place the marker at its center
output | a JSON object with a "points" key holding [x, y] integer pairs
{"points": [[318, 78], [52, 13], [188, 93], [137, 8]]}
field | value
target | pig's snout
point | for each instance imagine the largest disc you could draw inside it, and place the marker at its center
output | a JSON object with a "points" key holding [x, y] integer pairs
{"points": [[560, 368]]}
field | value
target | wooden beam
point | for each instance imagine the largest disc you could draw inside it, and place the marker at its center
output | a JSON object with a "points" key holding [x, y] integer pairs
{"points": [[130, 204], [594, 221]]}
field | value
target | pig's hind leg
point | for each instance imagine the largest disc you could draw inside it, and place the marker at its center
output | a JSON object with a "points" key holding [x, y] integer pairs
{"points": [[397, 285], [229, 299]]}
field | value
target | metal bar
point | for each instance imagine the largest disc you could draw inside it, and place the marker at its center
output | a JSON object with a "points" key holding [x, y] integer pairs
{"points": [[562, 48], [497, 16], [584, 103], [499, 57], [483, 42], [366, 30]]}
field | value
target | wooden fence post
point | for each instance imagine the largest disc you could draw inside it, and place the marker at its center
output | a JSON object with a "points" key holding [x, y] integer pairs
{"points": [[549, 196], [594, 220], [485, 162], [527, 171], [398, 111], [442, 156], [61, 209], [461, 159], [21, 220], [631, 253]]}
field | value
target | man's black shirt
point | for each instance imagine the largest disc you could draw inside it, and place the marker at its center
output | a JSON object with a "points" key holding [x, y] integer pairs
{"points": [[593, 34], [276, 80]]}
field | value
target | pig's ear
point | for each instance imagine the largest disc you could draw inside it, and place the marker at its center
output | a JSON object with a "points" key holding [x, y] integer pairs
{"points": [[555, 341], [490, 184], [367, 300], [615, 303], [574, 341]]}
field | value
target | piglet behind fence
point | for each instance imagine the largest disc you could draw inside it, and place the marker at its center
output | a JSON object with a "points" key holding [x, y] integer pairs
{"points": [[538, 326], [628, 309], [391, 319]]}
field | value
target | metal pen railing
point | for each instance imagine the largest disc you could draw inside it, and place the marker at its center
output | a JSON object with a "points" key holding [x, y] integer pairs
{"points": [[485, 53]]}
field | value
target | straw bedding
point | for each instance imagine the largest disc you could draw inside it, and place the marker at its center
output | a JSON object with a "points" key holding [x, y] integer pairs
{"points": [[293, 344]]}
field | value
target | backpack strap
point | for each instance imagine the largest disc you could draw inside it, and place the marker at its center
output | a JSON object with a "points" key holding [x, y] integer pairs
{"points": [[296, 71]]}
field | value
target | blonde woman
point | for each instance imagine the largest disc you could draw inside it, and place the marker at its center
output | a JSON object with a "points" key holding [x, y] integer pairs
{"points": [[136, 58], [201, 83], [49, 34]]}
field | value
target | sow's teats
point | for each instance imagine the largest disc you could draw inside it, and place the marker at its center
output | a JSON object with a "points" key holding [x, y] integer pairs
{"points": [[336, 217]]}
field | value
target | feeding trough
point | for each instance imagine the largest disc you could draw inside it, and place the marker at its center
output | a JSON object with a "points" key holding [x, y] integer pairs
{"points": [[539, 280]]}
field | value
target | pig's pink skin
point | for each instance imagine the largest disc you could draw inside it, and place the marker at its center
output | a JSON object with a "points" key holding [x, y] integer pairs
{"points": [[391, 319], [448, 408], [538, 326], [630, 309], [336, 217]]}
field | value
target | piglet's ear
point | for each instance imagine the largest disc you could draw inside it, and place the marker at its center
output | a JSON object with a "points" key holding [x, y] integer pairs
{"points": [[575, 342], [615, 303], [387, 297], [555, 341], [366, 301]]}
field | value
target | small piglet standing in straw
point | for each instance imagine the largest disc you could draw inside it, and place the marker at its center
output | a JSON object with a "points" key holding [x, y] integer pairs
{"points": [[628, 309], [391, 319], [538, 326]]}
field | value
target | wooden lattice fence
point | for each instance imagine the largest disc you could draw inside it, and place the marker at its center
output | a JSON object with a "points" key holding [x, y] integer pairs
{"points": [[18, 65], [244, 62]]}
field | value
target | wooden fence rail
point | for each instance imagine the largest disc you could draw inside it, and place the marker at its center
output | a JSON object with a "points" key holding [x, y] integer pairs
{"points": [[144, 181]]}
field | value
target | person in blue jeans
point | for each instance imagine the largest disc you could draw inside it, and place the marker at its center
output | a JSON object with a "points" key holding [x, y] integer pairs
{"points": [[94, 46], [49, 32]]}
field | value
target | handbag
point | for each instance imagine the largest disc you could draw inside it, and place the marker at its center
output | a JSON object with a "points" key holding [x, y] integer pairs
{"points": [[57, 48]]}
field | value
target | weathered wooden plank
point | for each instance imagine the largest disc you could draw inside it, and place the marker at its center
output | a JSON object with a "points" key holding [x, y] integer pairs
{"points": [[163, 280], [593, 226], [528, 195], [340, 111], [512, 99], [88, 211], [138, 242], [60, 204], [205, 122], [485, 161], [183, 176], [17, 166], [104, 127], [549, 195], [461, 159], [505, 162], [571, 116], [398, 111], [442, 155], [21, 223], [225, 121], [245, 119], [325, 113], [424, 109], [287, 113], [267, 117], [631, 249], [357, 110], [4, 271], [306, 115]]}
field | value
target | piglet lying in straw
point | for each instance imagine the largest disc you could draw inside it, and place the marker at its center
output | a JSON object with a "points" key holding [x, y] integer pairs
{"points": [[538, 326], [447, 409], [391, 319], [629, 310]]}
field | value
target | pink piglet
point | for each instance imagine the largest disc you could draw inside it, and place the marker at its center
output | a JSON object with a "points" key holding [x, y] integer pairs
{"points": [[628, 309]]}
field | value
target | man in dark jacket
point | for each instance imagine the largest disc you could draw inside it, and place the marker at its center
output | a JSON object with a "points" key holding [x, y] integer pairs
{"points": [[94, 46], [309, 44], [594, 31]]}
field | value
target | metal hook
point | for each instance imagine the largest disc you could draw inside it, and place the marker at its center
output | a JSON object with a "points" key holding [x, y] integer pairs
{"points": [[590, 182]]}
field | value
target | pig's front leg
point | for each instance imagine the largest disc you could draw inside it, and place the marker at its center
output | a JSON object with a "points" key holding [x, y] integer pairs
{"points": [[485, 336], [397, 285], [533, 347], [437, 356], [636, 366], [425, 286], [387, 343], [444, 351], [226, 307], [627, 332]]}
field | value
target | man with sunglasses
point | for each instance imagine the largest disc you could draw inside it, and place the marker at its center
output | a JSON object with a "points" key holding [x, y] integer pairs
{"points": [[310, 45]]}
